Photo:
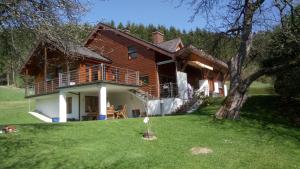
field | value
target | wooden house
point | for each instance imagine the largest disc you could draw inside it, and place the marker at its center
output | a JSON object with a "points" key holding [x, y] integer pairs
{"points": [[114, 67]]}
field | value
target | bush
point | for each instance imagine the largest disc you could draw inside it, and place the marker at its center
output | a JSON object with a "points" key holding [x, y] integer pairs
{"points": [[287, 83], [206, 100]]}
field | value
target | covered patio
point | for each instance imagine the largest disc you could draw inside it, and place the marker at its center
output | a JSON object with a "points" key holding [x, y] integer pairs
{"points": [[98, 102]]}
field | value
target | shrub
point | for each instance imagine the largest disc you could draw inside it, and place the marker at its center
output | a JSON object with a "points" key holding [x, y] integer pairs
{"points": [[287, 83]]}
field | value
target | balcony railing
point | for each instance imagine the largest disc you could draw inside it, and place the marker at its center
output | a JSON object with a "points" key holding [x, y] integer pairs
{"points": [[88, 75], [168, 90]]}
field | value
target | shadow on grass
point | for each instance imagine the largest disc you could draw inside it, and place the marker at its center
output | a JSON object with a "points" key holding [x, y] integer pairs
{"points": [[262, 108], [263, 112], [33, 145], [270, 109], [211, 109]]}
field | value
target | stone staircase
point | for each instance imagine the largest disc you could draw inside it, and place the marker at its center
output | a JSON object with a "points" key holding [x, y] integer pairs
{"points": [[194, 107], [142, 95], [189, 106]]}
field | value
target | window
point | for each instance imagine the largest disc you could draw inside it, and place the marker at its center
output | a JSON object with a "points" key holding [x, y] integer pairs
{"points": [[69, 105], [58, 69], [132, 52], [144, 80], [50, 75], [116, 74], [91, 104]]}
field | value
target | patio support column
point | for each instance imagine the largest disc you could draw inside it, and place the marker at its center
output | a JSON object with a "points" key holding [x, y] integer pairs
{"points": [[225, 90], [216, 86], [62, 107], [102, 103]]}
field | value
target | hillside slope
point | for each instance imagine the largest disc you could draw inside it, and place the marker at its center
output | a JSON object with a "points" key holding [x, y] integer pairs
{"points": [[14, 108]]}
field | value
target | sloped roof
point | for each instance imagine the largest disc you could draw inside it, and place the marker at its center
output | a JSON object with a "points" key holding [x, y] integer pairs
{"points": [[170, 45], [66, 47], [84, 51], [207, 56]]}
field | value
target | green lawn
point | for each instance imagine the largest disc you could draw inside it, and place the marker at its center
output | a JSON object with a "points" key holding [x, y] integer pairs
{"points": [[14, 108], [11, 94], [259, 141], [259, 88]]}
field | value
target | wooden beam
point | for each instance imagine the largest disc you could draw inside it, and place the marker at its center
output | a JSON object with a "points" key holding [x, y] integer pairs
{"points": [[205, 73], [45, 70], [99, 72], [165, 62], [216, 78], [90, 73], [26, 82], [184, 66], [45, 64], [68, 72]]}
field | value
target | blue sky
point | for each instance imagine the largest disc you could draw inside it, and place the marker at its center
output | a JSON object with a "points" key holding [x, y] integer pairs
{"points": [[162, 12]]}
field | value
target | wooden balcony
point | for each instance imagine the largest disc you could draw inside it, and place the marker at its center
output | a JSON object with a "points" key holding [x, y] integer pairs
{"points": [[82, 76]]}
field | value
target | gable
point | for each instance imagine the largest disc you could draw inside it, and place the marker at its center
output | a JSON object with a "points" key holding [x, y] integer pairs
{"points": [[59, 54], [126, 35], [173, 45]]}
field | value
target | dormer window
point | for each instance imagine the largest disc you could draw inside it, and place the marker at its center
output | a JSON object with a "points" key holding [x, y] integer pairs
{"points": [[132, 52]]}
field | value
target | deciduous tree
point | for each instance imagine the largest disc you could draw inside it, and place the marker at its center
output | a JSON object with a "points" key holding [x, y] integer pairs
{"points": [[241, 18], [33, 18]]}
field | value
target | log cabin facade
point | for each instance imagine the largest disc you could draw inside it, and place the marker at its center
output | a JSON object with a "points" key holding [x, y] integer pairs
{"points": [[113, 67]]}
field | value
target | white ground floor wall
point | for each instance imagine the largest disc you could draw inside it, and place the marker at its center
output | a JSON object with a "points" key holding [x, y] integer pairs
{"points": [[164, 106], [128, 99], [49, 106]]}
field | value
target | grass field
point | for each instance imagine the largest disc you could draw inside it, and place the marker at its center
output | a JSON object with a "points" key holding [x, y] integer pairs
{"points": [[13, 107], [259, 88], [260, 140]]}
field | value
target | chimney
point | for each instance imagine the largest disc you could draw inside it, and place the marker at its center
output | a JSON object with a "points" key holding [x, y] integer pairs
{"points": [[126, 31], [157, 37]]}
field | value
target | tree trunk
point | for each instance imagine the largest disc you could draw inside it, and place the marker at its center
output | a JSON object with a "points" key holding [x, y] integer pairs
{"points": [[237, 93], [232, 105], [13, 78], [7, 78]]}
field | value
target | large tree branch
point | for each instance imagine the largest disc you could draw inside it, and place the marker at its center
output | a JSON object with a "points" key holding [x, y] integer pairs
{"points": [[247, 81]]}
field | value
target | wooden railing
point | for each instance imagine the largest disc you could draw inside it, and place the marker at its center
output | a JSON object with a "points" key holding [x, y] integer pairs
{"points": [[91, 74]]}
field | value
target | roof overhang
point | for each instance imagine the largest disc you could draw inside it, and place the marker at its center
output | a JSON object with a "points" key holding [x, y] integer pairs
{"points": [[199, 65], [186, 52]]}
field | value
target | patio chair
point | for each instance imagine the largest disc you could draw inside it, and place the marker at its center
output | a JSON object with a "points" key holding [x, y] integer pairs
{"points": [[91, 115], [110, 112], [122, 113]]}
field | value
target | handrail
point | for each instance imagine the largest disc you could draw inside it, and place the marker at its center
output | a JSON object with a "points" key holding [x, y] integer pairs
{"points": [[168, 90], [87, 75]]}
